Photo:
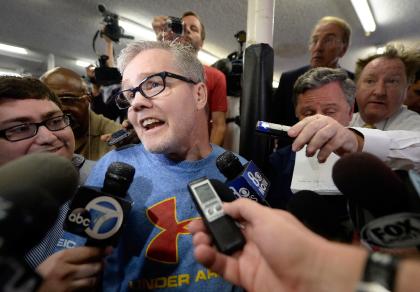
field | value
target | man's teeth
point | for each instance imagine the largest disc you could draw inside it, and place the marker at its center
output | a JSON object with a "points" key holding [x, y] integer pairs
{"points": [[148, 122]]}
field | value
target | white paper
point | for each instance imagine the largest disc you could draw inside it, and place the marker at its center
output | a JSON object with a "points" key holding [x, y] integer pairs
{"points": [[309, 174]]}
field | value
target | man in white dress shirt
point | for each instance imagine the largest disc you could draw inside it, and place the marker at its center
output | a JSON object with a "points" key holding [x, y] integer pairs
{"points": [[382, 81]]}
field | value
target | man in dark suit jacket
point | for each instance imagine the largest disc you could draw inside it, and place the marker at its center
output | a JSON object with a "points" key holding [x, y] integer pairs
{"points": [[329, 42]]}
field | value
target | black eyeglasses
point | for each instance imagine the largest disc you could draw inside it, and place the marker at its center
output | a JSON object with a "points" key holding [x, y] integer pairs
{"points": [[149, 87], [28, 130]]}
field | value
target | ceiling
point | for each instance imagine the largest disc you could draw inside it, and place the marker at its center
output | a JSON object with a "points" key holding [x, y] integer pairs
{"points": [[62, 30]]}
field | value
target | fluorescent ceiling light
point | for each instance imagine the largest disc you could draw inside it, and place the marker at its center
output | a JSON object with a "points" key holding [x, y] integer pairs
{"points": [[365, 15], [207, 58], [6, 72], [380, 50], [13, 49], [137, 30], [83, 64]]}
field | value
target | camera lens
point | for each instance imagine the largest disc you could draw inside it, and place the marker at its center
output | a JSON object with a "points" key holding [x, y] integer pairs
{"points": [[175, 25]]}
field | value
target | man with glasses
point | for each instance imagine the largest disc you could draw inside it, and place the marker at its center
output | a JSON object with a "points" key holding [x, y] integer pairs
{"points": [[328, 43], [88, 127], [32, 121], [164, 90]]}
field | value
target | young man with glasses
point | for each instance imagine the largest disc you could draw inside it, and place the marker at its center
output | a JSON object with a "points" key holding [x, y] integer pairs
{"points": [[32, 121], [329, 42], [87, 126], [164, 90]]}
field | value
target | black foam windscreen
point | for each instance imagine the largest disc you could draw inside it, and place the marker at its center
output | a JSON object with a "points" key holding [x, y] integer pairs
{"points": [[324, 214], [32, 189], [225, 194], [229, 165], [368, 182], [47, 171]]}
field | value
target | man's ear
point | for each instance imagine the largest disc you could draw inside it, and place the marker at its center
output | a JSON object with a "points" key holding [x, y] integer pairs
{"points": [[351, 112], [200, 95], [343, 50]]}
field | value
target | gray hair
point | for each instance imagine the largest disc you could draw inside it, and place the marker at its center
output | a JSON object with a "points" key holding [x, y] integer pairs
{"points": [[320, 76], [185, 58]]}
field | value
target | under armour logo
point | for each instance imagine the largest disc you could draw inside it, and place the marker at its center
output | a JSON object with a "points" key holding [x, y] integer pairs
{"points": [[164, 246]]}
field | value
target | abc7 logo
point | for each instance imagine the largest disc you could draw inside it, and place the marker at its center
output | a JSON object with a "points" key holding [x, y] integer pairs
{"points": [[101, 218]]}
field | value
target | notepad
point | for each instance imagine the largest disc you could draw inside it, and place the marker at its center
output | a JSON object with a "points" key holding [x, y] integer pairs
{"points": [[309, 174]]}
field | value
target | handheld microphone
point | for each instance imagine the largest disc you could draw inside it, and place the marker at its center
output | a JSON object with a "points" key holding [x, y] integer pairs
{"points": [[245, 181], [32, 189], [46, 171], [96, 215], [369, 183], [225, 193], [324, 215], [399, 230]]}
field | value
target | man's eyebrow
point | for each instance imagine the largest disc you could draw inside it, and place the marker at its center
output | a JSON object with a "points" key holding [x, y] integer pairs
{"points": [[125, 82], [305, 108], [26, 119], [330, 104]]}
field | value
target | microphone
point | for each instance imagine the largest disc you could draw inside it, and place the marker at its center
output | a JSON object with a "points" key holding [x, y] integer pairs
{"points": [[383, 204], [399, 230], [225, 193], [96, 215], [46, 171], [369, 183], [246, 181], [32, 189], [323, 214]]}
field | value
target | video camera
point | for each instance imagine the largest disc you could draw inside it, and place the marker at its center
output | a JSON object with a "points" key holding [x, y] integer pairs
{"points": [[112, 29], [232, 67], [175, 24]]}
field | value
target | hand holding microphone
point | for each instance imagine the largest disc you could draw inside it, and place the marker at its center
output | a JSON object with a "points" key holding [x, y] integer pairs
{"points": [[96, 216], [275, 242]]}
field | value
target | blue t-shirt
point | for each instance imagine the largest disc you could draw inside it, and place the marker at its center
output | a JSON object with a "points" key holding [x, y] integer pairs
{"points": [[155, 250]]}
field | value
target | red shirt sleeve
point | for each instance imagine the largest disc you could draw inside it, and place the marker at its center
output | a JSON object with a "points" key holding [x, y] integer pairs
{"points": [[216, 86]]}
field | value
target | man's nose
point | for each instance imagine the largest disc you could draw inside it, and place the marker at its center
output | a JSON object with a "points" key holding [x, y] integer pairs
{"points": [[380, 88], [44, 135], [186, 29], [140, 101]]}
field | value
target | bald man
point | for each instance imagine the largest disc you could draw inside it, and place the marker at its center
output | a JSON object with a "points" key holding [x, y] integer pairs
{"points": [[88, 127]]}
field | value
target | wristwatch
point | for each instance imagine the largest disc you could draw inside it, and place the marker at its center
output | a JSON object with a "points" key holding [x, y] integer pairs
{"points": [[379, 274]]}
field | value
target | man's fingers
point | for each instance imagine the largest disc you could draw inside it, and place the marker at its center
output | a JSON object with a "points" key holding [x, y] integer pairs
{"points": [[201, 238], [196, 226], [83, 254], [84, 283], [323, 140], [307, 128], [105, 137], [87, 270]]}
